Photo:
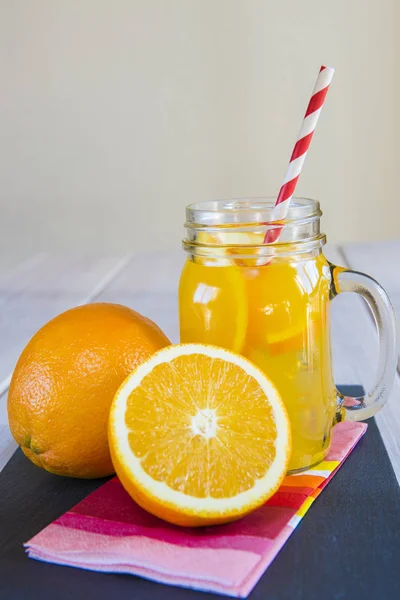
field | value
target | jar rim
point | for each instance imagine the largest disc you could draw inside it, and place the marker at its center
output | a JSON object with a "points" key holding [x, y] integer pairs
{"points": [[249, 210]]}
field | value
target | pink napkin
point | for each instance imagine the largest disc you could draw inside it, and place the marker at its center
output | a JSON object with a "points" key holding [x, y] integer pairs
{"points": [[109, 532]]}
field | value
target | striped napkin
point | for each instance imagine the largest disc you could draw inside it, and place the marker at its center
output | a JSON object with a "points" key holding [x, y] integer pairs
{"points": [[108, 532]]}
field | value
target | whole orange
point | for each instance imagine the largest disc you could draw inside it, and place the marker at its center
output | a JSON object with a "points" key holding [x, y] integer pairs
{"points": [[65, 380]]}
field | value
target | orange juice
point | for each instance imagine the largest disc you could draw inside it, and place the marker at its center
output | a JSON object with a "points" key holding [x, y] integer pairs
{"points": [[275, 314]]}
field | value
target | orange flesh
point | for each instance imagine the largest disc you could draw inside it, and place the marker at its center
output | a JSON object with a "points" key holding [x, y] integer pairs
{"points": [[191, 410]]}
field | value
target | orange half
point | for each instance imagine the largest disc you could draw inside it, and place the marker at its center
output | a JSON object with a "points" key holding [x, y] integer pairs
{"points": [[199, 435]]}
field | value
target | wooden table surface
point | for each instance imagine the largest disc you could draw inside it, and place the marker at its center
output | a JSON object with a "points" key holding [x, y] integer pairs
{"points": [[45, 285]]}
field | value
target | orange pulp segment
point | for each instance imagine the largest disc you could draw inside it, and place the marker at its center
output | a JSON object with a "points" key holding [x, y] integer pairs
{"points": [[213, 306]]}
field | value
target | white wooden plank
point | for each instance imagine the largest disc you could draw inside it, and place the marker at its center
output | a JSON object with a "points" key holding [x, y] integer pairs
{"points": [[355, 347], [149, 285], [3, 409], [350, 336], [149, 273], [16, 280], [18, 271], [7, 446], [54, 274], [380, 260], [4, 385]]}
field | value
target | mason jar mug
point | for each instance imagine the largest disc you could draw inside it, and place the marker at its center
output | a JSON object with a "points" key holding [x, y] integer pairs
{"points": [[270, 303]]}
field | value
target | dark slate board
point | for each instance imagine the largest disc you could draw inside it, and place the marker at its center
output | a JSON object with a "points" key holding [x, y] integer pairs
{"points": [[346, 547]]}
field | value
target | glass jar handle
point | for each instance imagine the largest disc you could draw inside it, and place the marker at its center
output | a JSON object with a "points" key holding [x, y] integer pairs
{"points": [[363, 407]]}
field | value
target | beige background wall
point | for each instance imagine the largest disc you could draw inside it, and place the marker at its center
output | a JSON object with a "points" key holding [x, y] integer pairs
{"points": [[116, 113]]}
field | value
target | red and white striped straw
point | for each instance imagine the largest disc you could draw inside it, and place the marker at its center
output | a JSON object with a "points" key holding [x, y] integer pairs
{"points": [[300, 150]]}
